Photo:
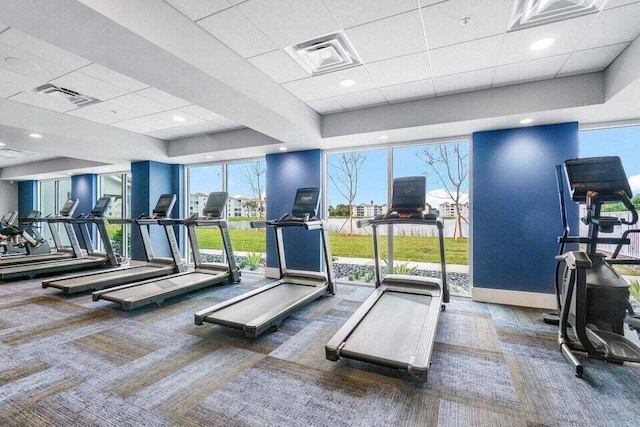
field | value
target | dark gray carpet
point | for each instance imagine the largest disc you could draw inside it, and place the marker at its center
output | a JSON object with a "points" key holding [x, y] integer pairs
{"points": [[68, 361]]}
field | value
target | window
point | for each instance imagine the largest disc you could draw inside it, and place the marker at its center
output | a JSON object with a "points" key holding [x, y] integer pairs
{"points": [[52, 196], [118, 187]]}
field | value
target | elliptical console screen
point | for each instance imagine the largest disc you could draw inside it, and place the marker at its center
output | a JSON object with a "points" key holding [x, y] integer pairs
{"points": [[605, 175], [101, 206], [409, 194], [306, 202], [164, 205], [216, 203]]}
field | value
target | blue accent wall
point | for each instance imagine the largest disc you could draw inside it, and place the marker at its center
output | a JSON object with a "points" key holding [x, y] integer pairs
{"points": [[286, 172], [27, 197], [148, 181], [516, 213]]}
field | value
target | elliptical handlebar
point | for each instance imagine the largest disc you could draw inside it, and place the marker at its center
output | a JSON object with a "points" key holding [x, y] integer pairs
{"points": [[629, 205]]}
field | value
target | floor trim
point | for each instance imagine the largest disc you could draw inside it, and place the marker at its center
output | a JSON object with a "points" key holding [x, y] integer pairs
{"points": [[519, 298]]}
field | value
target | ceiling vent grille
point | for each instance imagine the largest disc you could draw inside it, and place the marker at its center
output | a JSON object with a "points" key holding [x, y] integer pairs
{"points": [[77, 99], [531, 13], [325, 54], [10, 153]]}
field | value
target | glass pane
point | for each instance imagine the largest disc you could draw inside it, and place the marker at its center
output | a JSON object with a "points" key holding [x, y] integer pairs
{"points": [[127, 214], [356, 188], [47, 207], [247, 201], [63, 194], [111, 186], [202, 180], [416, 249]]}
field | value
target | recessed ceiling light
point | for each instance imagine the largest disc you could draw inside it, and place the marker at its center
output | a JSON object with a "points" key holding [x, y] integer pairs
{"points": [[542, 43], [525, 121], [69, 173], [2, 144], [383, 137], [347, 83], [282, 148], [209, 157], [465, 21], [178, 118], [35, 135]]}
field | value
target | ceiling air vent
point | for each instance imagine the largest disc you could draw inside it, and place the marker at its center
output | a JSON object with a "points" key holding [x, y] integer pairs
{"points": [[325, 54], [531, 13], [10, 153], [77, 99]]}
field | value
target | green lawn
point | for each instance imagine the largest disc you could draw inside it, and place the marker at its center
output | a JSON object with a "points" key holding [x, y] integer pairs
{"points": [[407, 248]]}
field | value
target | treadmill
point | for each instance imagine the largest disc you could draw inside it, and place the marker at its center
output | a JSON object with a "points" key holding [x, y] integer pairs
{"points": [[265, 308], [138, 294], [154, 266], [89, 258], [66, 212], [396, 325]]}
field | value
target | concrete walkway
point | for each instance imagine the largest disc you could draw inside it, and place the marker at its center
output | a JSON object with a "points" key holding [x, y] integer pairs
{"points": [[451, 268]]}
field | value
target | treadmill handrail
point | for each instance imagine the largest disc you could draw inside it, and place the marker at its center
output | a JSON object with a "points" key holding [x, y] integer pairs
{"points": [[310, 224], [189, 221], [438, 222]]}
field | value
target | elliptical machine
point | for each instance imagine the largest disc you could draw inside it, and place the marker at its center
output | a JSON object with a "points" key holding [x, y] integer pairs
{"points": [[593, 298]]}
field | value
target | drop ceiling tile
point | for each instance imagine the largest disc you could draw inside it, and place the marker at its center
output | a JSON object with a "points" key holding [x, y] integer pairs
{"points": [[41, 49], [279, 66], [163, 97], [227, 124], [168, 118], [86, 85], [586, 61], [197, 9], [367, 98], [464, 82], [404, 69], [25, 64], [306, 89], [205, 127], [538, 69], [234, 29], [408, 91], [617, 3], [355, 12], [171, 133], [105, 112], [143, 106], [326, 106], [515, 47], [289, 22], [424, 3], [331, 82], [113, 78], [201, 113], [387, 38], [613, 26], [12, 83], [50, 102], [144, 124], [468, 56]]}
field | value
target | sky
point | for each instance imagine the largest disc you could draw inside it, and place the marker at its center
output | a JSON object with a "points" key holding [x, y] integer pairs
{"points": [[623, 141]]}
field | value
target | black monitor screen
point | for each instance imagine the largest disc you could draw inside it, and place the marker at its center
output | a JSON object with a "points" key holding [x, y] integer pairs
{"points": [[69, 207], [409, 194], [164, 205], [605, 175], [215, 204], [101, 206], [8, 217], [306, 202], [33, 214]]}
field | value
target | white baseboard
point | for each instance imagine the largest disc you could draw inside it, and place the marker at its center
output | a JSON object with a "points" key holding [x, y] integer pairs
{"points": [[519, 298], [272, 272]]}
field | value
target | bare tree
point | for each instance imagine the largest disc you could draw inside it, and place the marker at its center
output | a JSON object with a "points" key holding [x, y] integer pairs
{"points": [[253, 178], [345, 179], [450, 165]]}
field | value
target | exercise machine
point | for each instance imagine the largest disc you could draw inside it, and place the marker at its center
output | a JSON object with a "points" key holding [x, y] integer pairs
{"points": [[396, 326], [138, 294], [86, 258], [593, 297], [152, 268], [66, 212], [263, 309]]}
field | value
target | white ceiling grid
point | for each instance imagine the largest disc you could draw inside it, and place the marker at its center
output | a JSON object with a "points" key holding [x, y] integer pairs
{"points": [[390, 35]]}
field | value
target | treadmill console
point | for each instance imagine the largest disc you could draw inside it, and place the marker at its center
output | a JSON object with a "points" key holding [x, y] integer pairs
{"points": [[408, 196], [306, 203], [69, 207], [9, 217], [604, 175], [215, 204], [33, 215], [101, 207], [164, 205]]}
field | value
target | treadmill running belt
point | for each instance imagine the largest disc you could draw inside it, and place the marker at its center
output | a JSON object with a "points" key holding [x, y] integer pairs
{"points": [[103, 276], [158, 287], [391, 329]]}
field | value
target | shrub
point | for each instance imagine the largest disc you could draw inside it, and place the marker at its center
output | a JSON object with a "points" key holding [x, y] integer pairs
{"points": [[635, 289], [253, 261]]}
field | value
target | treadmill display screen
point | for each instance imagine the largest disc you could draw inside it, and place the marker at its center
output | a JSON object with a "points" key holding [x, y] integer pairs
{"points": [[69, 207], [101, 206], [409, 194], [8, 217], [215, 204], [306, 202], [164, 205]]}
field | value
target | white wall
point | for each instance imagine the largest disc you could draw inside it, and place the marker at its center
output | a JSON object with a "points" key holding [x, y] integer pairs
{"points": [[8, 196]]}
